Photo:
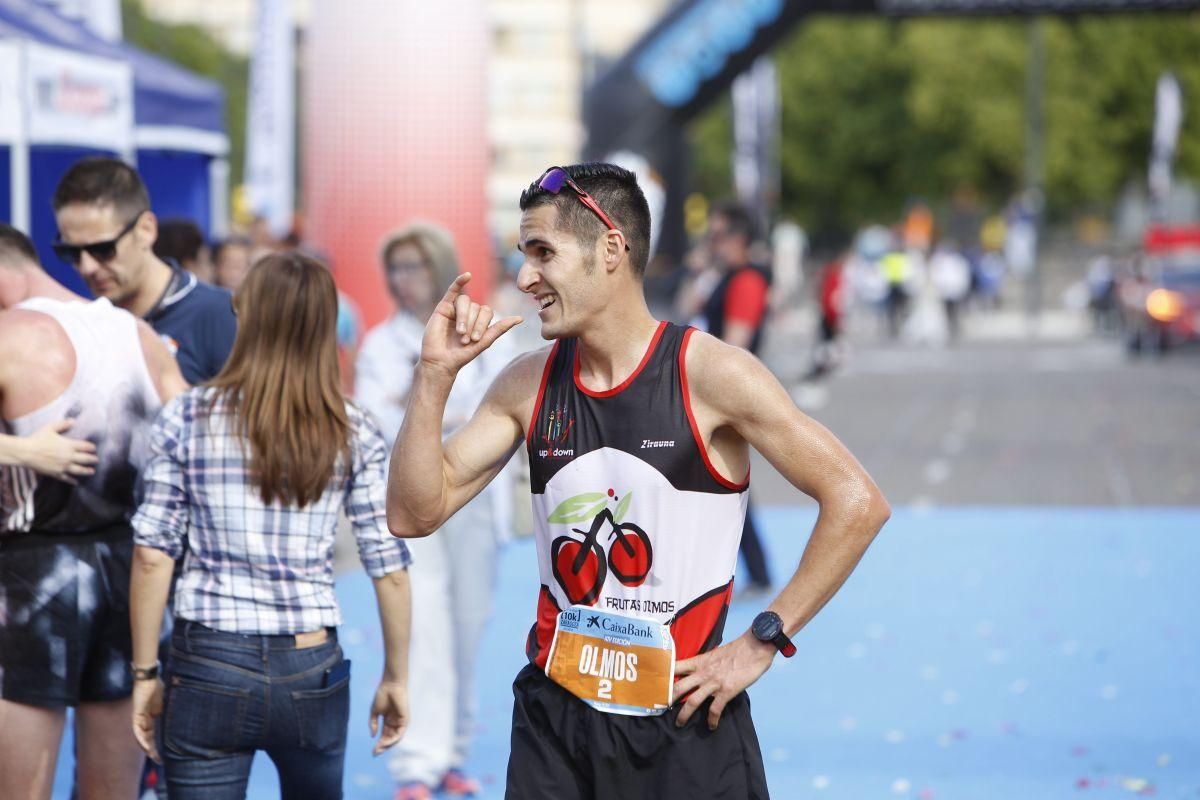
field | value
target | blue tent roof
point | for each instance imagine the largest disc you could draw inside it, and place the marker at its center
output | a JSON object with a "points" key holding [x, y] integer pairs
{"points": [[164, 93]]}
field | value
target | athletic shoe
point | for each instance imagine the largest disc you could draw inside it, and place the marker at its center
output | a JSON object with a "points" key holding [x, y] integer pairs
{"points": [[413, 790], [456, 783]]}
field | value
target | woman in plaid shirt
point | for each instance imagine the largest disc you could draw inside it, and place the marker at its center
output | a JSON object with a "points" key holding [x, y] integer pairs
{"points": [[253, 469]]}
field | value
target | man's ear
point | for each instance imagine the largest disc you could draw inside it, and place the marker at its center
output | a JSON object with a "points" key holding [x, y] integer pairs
{"points": [[614, 248], [147, 227]]}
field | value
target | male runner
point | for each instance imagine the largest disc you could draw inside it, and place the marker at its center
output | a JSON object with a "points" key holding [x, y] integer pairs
{"points": [[736, 313], [638, 433], [107, 232], [65, 546]]}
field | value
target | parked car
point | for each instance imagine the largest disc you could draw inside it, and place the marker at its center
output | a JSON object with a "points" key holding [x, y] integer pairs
{"points": [[1161, 307]]}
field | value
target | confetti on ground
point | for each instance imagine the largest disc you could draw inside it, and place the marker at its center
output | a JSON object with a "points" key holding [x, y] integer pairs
{"points": [[1137, 785]]}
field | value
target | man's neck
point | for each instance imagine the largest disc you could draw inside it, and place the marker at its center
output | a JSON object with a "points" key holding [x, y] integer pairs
{"points": [[611, 349], [42, 285], [154, 285]]}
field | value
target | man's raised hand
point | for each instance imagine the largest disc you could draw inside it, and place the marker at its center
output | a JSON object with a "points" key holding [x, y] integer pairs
{"points": [[460, 329]]}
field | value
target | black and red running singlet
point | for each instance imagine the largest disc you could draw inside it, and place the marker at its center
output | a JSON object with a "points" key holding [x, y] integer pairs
{"points": [[629, 514]]}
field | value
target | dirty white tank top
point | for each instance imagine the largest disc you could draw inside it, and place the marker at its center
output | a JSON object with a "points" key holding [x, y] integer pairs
{"points": [[113, 401]]}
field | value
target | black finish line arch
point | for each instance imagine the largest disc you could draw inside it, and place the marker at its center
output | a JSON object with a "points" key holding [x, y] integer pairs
{"points": [[691, 56]]}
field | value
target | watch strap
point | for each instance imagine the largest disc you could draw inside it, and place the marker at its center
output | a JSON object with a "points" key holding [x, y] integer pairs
{"points": [[144, 673], [785, 645]]}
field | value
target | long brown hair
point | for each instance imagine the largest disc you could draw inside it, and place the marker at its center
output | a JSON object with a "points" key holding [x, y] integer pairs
{"points": [[281, 382]]}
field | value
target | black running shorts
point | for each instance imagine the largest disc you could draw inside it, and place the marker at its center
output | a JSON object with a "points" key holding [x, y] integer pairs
{"points": [[64, 618], [563, 749]]}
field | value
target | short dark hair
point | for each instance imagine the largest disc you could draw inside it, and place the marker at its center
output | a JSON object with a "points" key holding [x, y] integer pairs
{"points": [[179, 239], [617, 192], [100, 180], [739, 219], [16, 246]]}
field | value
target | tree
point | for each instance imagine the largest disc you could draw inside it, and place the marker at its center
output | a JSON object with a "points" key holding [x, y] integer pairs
{"points": [[878, 111], [197, 50]]}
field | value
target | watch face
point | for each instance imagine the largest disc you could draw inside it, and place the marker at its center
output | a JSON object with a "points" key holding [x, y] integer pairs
{"points": [[767, 626]]}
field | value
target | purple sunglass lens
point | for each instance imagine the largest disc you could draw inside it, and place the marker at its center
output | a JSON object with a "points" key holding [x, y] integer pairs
{"points": [[554, 180]]}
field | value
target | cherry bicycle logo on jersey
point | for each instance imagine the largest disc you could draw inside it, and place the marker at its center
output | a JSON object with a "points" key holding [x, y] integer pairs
{"points": [[615, 663], [582, 565]]}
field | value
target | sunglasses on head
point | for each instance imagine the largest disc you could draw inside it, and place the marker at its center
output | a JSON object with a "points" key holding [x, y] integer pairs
{"points": [[101, 251], [554, 179]]}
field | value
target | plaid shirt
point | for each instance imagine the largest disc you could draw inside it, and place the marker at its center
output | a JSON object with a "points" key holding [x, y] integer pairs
{"points": [[252, 567]]}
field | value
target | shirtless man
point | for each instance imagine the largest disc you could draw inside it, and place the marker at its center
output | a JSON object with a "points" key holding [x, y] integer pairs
{"points": [[639, 435], [65, 541]]}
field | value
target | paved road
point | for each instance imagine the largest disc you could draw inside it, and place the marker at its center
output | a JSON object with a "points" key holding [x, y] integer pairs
{"points": [[1010, 423], [974, 653]]}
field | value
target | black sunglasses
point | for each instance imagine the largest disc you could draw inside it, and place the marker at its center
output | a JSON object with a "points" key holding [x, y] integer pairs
{"points": [[101, 251]]}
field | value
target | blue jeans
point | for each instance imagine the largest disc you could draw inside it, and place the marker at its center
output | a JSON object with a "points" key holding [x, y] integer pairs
{"points": [[229, 695]]}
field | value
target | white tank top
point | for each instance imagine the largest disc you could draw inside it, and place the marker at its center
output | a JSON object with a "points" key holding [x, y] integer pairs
{"points": [[113, 401]]}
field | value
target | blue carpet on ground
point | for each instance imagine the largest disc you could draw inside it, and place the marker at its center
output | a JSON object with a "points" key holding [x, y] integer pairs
{"points": [[975, 653]]}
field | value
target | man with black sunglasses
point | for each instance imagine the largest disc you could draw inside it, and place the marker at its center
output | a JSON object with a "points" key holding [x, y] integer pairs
{"points": [[638, 434], [107, 232]]}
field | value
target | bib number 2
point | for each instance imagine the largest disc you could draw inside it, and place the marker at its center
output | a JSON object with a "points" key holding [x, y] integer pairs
{"points": [[614, 663]]}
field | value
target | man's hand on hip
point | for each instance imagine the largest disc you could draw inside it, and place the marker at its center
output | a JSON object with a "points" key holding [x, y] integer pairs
{"points": [[721, 674]]}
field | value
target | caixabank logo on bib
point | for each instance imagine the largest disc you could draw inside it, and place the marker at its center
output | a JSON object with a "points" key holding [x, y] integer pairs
{"points": [[558, 427], [581, 566]]}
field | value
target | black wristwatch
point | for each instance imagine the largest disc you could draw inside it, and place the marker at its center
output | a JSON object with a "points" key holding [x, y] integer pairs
{"points": [[768, 627], [143, 673]]}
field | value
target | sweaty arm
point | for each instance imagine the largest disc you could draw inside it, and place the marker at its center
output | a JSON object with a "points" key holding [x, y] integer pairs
{"points": [[429, 482], [737, 401]]}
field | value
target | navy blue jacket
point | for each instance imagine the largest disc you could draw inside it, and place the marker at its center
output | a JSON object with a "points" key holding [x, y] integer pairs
{"points": [[198, 324]]}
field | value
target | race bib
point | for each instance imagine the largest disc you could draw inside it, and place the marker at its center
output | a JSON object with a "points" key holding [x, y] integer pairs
{"points": [[614, 663]]}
